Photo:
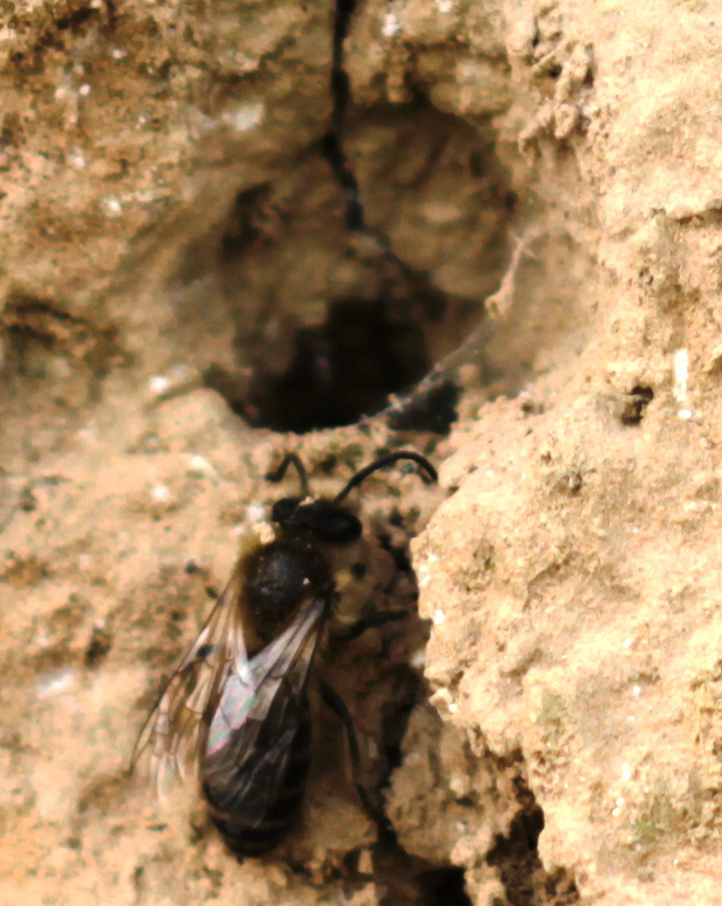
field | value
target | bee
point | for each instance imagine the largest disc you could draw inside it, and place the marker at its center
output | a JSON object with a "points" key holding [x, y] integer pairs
{"points": [[236, 711]]}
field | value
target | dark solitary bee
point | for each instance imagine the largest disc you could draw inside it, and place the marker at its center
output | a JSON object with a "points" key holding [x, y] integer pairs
{"points": [[236, 711]]}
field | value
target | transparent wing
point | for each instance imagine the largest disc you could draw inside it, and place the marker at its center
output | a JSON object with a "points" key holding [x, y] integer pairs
{"points": [[262, 709], [174, 733]]}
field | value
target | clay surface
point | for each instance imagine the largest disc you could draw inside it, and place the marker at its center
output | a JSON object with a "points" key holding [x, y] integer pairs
{"points": [[547, 726]]}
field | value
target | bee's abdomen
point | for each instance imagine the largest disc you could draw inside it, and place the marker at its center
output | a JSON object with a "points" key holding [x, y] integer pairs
{"points": [[249, 832]]}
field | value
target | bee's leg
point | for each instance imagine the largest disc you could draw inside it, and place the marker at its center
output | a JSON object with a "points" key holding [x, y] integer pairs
{"points": [[372, 621], [374, 809]]}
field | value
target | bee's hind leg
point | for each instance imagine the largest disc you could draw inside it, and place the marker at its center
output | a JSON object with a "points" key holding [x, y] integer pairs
{"points": [[374, 810]]}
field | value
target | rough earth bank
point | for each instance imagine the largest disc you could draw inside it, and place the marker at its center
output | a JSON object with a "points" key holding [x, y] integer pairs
{"points": [[572, 577]]}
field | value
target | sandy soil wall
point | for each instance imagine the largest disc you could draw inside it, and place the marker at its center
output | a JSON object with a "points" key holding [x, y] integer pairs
{"points": [[547, 729]]}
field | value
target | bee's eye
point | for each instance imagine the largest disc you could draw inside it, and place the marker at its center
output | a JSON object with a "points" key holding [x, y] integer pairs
{"points": [[284, 510], [331, 523]]}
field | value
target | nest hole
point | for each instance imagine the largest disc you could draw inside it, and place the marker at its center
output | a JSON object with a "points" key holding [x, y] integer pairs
{"points": [[339, 371], [444, 887], [516, 857], [329, 326]]}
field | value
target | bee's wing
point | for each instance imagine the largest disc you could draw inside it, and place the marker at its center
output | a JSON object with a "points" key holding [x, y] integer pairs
{"points": [[174, 733], [257, 720]]}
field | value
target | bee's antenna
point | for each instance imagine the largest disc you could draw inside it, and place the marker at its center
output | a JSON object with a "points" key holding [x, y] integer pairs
{"points": [[387, 461], [291, 459]]}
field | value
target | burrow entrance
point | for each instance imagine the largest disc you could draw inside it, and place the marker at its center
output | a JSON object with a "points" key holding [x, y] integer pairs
{"points": [[328, 324]]}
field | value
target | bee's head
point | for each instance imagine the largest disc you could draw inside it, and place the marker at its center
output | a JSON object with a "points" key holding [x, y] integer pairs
{"points": [[329, 520], [323, 519]]}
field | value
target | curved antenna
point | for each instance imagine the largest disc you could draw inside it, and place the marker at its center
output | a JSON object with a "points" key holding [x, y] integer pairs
{"points": [[291, 459], [387, 461]]}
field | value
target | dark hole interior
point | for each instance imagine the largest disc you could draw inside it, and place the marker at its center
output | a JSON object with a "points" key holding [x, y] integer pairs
{"points": [[345, 369], [634, 407], [444, 887], [403, 879], [516, 857]]}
